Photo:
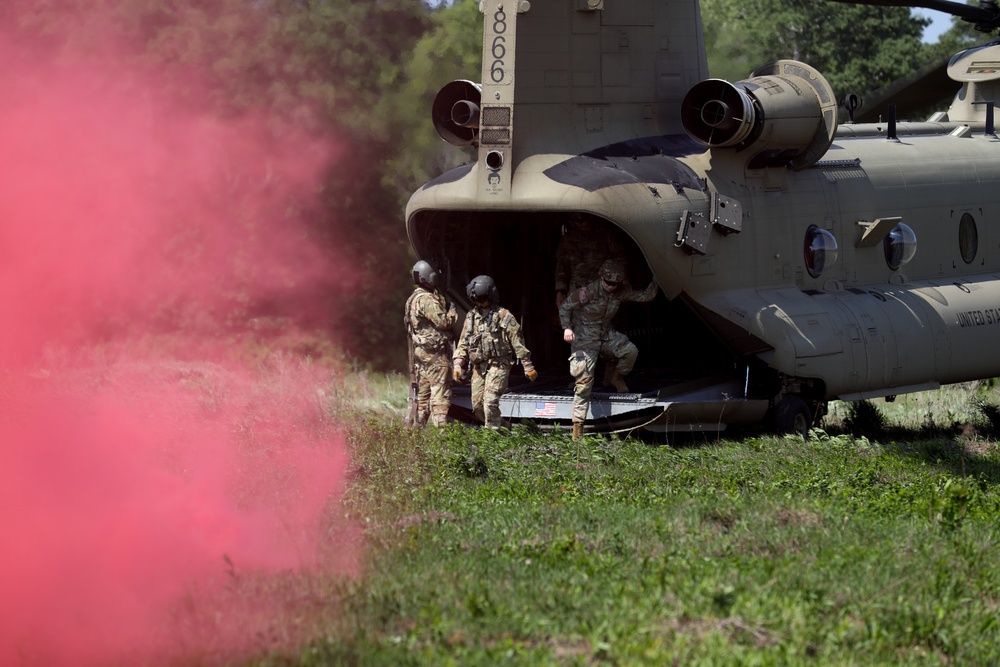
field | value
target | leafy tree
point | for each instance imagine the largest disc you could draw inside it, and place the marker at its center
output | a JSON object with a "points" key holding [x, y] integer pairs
{"points": [[960, 36], [856, 47], [322, 66], [365, 45], [451, 49]]}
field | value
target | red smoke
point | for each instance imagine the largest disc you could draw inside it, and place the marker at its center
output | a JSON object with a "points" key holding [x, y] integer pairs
{"points": [[138, 493], [118, 204], [120, 505]]}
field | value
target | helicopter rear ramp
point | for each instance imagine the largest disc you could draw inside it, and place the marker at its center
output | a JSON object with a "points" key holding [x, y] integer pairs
{"points": [[680, 405]]}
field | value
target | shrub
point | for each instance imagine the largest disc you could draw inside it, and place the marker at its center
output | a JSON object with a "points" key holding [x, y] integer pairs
{"points": [[864, 419], [988, 423]]}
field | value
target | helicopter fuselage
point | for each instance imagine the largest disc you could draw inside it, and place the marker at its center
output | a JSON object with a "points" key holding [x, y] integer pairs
{"points": [[859, 327], [796, 258]]}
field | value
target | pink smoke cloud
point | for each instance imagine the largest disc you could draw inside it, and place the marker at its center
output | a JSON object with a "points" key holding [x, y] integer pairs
{"points": [[120, 503], [119, 203], [130, 486]]}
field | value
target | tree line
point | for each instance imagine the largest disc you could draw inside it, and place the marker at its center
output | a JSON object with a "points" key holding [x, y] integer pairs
{"points": [[369, 69]]}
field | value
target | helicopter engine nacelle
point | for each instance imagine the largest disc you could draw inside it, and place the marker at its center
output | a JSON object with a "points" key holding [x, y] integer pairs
{"points": [[785, 111], [456, 112]]}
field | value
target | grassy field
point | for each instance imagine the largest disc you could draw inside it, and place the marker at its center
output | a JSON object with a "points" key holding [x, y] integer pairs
{"points": [[523, 548], [874, 541]]}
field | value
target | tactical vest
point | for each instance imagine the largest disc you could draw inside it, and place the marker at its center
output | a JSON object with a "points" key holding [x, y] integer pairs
{"points": [[424, 334], [486, 336]]}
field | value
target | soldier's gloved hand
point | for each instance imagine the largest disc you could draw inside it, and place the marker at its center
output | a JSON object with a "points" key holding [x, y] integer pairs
{"points": [[458, 370], [529, 370]]}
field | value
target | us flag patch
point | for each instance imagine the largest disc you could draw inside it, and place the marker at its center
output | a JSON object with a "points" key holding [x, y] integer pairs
{"points": [[546, 409]]}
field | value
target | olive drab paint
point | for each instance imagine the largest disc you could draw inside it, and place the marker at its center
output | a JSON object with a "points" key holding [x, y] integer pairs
{"points": [[496, 140], [801, 259]]}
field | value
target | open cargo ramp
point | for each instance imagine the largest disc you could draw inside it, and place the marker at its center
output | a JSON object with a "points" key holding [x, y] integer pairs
{"points": [[686, 405]]}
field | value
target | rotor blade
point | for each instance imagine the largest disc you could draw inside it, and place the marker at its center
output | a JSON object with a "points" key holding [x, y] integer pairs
{"points": [[967, 12]]}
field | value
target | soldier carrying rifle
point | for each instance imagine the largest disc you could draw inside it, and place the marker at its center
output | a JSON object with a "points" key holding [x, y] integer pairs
{"points": [[429, 320]]}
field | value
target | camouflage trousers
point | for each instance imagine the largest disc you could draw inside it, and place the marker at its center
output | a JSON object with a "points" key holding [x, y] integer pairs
{"points": [[489, 382], [582, 362], [433, 387]]}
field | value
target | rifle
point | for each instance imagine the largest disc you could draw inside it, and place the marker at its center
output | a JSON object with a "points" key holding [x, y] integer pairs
{"points": [[412, 407], [411, 397]]}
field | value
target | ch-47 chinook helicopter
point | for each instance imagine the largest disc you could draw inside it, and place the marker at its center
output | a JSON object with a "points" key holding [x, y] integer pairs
{"points": [[799, 261]]}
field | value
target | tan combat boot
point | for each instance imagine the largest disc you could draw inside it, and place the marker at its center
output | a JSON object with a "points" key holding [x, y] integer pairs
{"points": [[577, 430], [618, 380]]}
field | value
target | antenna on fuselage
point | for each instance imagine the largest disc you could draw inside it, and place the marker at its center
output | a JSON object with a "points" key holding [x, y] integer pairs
{"points": [[890, 132]]}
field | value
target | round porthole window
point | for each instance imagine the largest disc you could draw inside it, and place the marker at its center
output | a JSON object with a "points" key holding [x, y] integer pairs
{"points": [[900, 245], [968, 238], [820, 250]]}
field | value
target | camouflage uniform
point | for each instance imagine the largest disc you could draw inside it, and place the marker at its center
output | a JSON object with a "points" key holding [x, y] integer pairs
{"points": [[429, 321], [491, 339], [588, 313], [582, 252]]}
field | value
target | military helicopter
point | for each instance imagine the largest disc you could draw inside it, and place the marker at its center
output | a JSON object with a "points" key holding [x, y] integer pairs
{"points": [[800, 260]]}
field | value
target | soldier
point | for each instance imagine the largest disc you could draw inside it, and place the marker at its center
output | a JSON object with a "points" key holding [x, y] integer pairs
{"points": [[429, 321], [491, 339], [581, 252], [586, 320]]}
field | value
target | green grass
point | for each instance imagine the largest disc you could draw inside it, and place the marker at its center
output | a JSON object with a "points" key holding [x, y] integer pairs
{"points": [[522, 548], [941, 408]]}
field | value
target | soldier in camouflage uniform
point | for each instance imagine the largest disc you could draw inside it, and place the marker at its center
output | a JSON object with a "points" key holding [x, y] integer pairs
{"points": [[586, 320], [429, 320], [491, 339], [581, 252]]}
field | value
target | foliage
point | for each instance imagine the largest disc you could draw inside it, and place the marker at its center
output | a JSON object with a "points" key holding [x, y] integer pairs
{"points": [[534, 549], [857, 48], [989, 422], [961, 35], [450, 50], [322, 67], [947, 412], [864, 419]]}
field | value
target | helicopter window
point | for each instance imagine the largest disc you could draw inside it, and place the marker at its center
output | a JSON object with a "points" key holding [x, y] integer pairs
{"points": [[820, 250], [968, 238], [900, 245]]}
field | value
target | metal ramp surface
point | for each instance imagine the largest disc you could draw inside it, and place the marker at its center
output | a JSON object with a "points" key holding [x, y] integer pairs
{"points": [[690, 405]]}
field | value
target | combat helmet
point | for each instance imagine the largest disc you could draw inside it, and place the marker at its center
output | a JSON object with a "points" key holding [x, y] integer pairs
{"points": [[425, 275], [613, 273], [483, 287]]}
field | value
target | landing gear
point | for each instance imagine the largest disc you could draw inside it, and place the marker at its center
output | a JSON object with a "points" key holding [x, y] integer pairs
{"points": [[792, 415]]}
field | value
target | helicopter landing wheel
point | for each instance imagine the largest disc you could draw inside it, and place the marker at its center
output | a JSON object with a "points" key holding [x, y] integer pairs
{"points": [[792, 415]]}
